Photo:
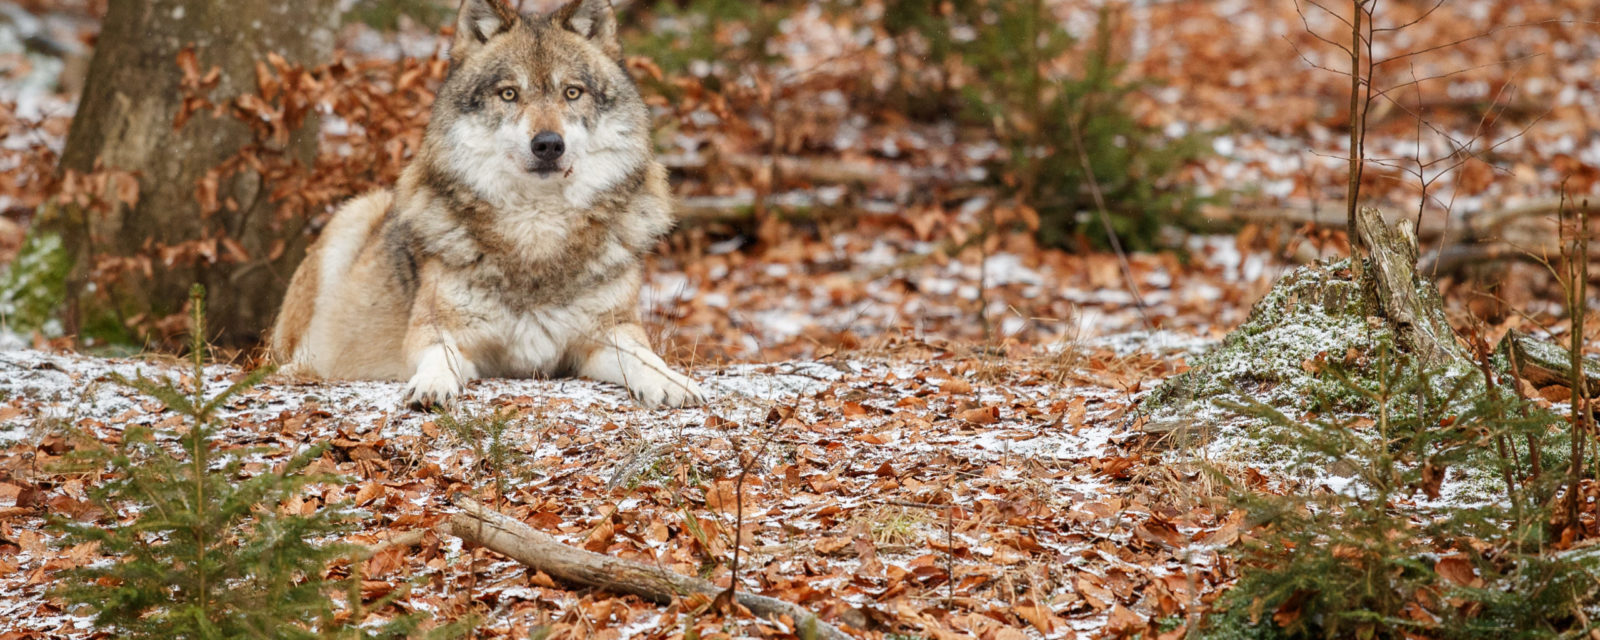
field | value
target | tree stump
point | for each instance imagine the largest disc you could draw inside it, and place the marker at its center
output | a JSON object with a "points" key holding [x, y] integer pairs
{"points": [[1405, 299], [1317, 316]]}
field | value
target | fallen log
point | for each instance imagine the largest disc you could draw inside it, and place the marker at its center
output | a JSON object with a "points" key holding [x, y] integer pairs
{"points": [[507, 536], [700, 211], [1480, 224], [1456, 257], [1543, 364], [820, 171], [1522, 232]]}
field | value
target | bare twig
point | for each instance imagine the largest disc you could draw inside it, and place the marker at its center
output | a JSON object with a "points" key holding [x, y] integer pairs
{"points": [[1105, 221], [402, 540], [1577, 263], [738, 499], [1357, 134]]}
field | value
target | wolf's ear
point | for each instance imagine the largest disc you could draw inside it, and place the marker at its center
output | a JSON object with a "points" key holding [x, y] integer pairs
{"points": [[592, 19], [478, 21]]}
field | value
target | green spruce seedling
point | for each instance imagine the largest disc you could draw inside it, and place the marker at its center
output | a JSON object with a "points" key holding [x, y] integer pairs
{"points": [[1391, 553], [492, 453], [199, 549]]}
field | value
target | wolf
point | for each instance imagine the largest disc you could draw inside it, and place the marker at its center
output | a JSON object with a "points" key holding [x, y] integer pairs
{"points": [[513, 244]]}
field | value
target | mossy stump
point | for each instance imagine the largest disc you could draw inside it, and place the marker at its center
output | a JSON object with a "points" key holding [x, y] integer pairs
{"points": [[1316, 316]]}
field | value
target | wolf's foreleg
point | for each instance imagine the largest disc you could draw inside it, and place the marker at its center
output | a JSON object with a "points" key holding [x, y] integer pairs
{"points": [[439, 367], [622, 355]]}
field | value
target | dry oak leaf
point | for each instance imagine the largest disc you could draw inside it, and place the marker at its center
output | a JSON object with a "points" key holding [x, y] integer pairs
{"points": [[832, 545], [1097, 596], [955, 385], [1123, 619], [601, 537], [1039, 616]]}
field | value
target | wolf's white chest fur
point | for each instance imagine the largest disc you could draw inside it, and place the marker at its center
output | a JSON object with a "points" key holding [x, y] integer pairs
{"points": [[508, 341]]}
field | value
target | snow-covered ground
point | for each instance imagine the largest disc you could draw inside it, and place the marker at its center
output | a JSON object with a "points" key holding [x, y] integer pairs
{"points": [[859, 461]]}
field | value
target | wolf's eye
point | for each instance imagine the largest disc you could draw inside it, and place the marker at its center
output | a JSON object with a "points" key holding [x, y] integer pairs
{"points": [[508, 94], [573, 93]]}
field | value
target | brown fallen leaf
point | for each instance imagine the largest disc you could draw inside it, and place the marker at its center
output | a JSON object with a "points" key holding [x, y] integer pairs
{"points": [[980, 415], [1458, 569]]}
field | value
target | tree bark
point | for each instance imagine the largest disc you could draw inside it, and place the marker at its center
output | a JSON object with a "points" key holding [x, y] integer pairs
{"points": [[1406, 299], [125, 122]]}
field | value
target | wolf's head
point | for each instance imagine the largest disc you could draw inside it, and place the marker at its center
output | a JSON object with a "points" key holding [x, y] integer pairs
{"points": [[538, 104]]}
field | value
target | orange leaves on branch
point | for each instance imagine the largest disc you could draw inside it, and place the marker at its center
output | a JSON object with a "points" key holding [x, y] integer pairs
{"points": [[194, 86], [381, 108]]}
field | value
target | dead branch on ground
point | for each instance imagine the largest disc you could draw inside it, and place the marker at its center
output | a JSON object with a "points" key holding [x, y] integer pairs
{"points": [[541, 552]]}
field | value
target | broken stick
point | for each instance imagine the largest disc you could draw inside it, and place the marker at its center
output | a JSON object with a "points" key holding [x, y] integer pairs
{"points": [[507, 536]]}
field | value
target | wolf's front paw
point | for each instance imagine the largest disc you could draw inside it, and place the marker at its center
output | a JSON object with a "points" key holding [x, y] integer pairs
{"points": [[666, 389], [432, 387], [441, 373]]}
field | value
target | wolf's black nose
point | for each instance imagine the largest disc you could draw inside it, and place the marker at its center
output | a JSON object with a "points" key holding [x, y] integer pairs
{"points": [[548, 146]]}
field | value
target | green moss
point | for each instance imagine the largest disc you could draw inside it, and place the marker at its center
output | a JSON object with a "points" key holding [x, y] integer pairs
{"points": [[34, 285], [1278, 356], [1305, 350], [1231, 621]]}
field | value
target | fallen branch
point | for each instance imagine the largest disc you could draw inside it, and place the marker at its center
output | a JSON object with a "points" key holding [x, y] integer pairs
{"points": [[502, 534], [1456, 257], [1513, 233], [699, 211], [1544, 363], [403, 540], [1480, 224], [815, 170]]}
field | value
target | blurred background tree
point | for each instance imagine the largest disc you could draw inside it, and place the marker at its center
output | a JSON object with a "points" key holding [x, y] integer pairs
{"points": [[149, 253], [1072, 144]]}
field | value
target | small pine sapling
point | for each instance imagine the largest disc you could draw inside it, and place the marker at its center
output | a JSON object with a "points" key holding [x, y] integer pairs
{"points": [[196, 547], [1385, 550]]}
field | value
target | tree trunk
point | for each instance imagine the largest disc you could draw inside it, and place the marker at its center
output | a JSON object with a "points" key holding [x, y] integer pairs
{"points": [[125, 122]]}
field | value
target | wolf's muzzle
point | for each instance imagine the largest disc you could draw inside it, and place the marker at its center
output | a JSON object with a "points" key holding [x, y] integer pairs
{"points": [[548, 146]]}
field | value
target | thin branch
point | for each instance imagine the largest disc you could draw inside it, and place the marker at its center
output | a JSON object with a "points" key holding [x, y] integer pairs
{"points": [[1330, 12], [1105, 221], [1402, 27], [1447, 45], [1306, 24]]}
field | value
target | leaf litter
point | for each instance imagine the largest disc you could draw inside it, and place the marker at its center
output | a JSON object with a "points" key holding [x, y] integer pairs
{"points": [[874, 474]]}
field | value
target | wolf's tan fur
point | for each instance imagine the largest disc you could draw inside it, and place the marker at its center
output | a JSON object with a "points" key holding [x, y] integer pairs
{"points": [[486, 260]]}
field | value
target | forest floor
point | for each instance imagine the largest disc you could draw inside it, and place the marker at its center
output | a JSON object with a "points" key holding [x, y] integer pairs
{"points": [[878, 466], [873, 474], [919, 406]]}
